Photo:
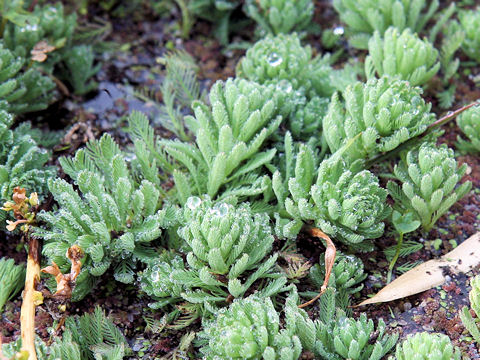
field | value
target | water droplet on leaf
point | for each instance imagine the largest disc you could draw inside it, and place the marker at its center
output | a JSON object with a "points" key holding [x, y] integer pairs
{"points": [[193, 202], [274, 59]]}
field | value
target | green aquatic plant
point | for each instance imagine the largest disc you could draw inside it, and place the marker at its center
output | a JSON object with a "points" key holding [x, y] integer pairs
{"points": [[305, 82], [227, 154], [375, 117], [281, 16], [156, 282], [469, 123], [428, 183], [90, 337], [401, 54], [364, 17], [469, 23], [249, 329], [53, 26], [22, 91], [283, 57], [468, 321], [423, 346], [333, 335], [226, 249], [79, 69], [22, 163], [346, 277], [112, 217], [179, 89], [12, 279], [14, 11], [344, 201], [97, 337], [306, 120]]}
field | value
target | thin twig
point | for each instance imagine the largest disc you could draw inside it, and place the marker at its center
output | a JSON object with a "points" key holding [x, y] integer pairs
{"points": [[442, 121], [330, 254], [451, 115]]}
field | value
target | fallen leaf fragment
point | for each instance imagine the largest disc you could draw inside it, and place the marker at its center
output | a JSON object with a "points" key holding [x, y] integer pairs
{"points": [[66, 282], [431, 273], [40, 50]]}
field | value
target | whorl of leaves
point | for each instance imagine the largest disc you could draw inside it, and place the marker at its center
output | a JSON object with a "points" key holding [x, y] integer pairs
{"points": [[375, 117], [226, 250], [282, 57], [469, 123], [111, 216], [363, 17], [401, 54], [22, 162], [22, 91], [249, 329], [281, 16], [427, 346], [344, 201], [428, 183]]}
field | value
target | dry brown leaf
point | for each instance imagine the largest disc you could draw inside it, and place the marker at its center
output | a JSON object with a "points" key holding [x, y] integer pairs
{"points": [[431, 273], [40, 50]]}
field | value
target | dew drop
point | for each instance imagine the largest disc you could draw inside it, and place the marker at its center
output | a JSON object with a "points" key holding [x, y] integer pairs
{"points": [[285, 86], [339, 30], [274, 59], [223, 209], [214, 212], [193, 202], [155, 276]]}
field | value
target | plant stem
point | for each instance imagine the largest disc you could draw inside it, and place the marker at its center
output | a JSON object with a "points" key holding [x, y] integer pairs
{"points": [[31, 297], [395, 258], [186, 21], [2, 26]]}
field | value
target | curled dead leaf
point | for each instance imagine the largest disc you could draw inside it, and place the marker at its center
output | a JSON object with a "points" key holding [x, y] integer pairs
{"points": [[12, 225], [19, 195], [330, 254], [66, 282]]}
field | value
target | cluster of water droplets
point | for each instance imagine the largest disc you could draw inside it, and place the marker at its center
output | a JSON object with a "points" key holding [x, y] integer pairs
{"points": [[29, 28]]}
